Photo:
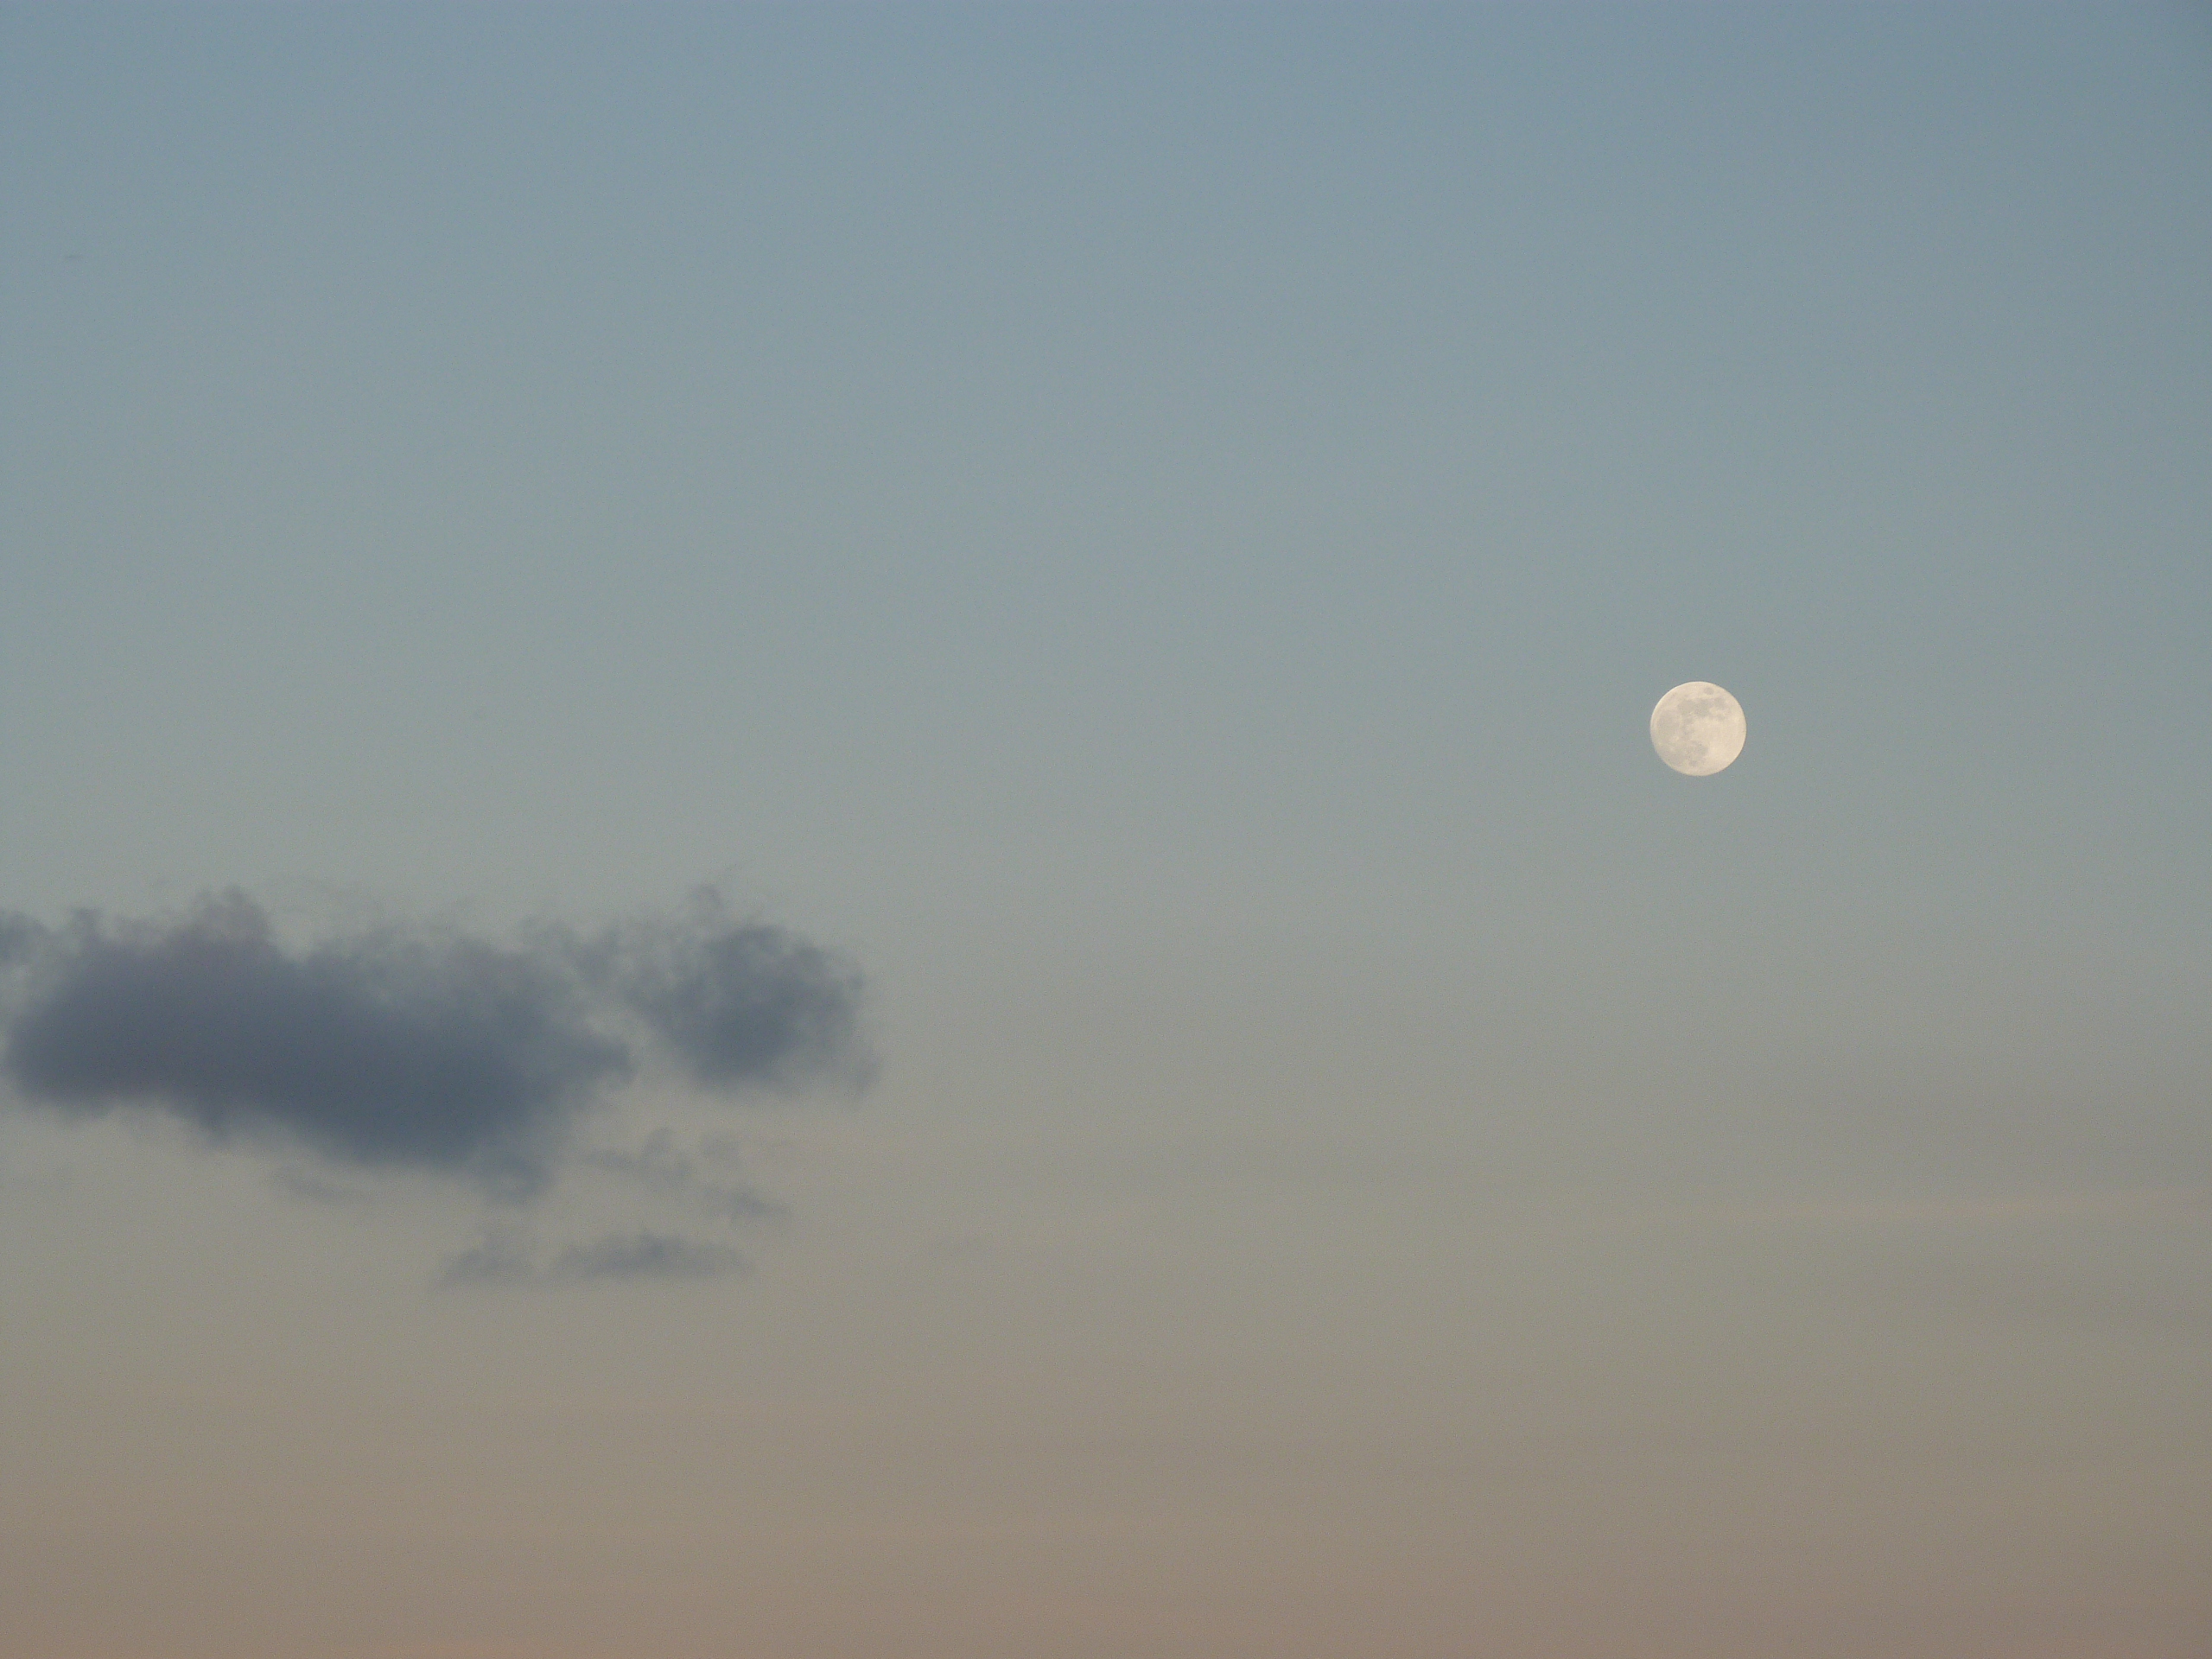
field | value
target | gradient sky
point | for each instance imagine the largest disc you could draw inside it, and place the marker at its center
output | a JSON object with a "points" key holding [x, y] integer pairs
{"points": [[1152, 535]]}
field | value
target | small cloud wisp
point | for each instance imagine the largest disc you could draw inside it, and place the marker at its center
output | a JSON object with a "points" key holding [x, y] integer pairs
{"points": [[505, 1258]]}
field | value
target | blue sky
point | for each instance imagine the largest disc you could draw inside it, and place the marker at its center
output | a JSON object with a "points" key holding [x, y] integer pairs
{"points": [[1152, 534]]}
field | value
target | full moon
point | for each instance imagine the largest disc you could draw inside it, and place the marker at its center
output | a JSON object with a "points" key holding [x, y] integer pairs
{"points": [[1698, 728]]}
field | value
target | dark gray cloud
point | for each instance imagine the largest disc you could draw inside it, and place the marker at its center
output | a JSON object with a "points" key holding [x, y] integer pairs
{"points": [[741, 1004], [406, 1047], [445, 1053], [19, 937], [507, 1258]]}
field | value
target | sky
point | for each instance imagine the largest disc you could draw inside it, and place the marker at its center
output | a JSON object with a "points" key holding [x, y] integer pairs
{"points": [[828, 831]]}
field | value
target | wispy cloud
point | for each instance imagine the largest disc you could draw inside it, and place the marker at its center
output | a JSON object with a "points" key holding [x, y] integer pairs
{"points": [[662, 1169], [643, 1255], [506, 1257]]}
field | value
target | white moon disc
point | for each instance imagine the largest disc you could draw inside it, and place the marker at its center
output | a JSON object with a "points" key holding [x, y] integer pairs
{"points": [[1698, 728]]}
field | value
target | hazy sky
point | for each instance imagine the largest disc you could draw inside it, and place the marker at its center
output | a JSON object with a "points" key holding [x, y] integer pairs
{"points": [[1227, 1106]]}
